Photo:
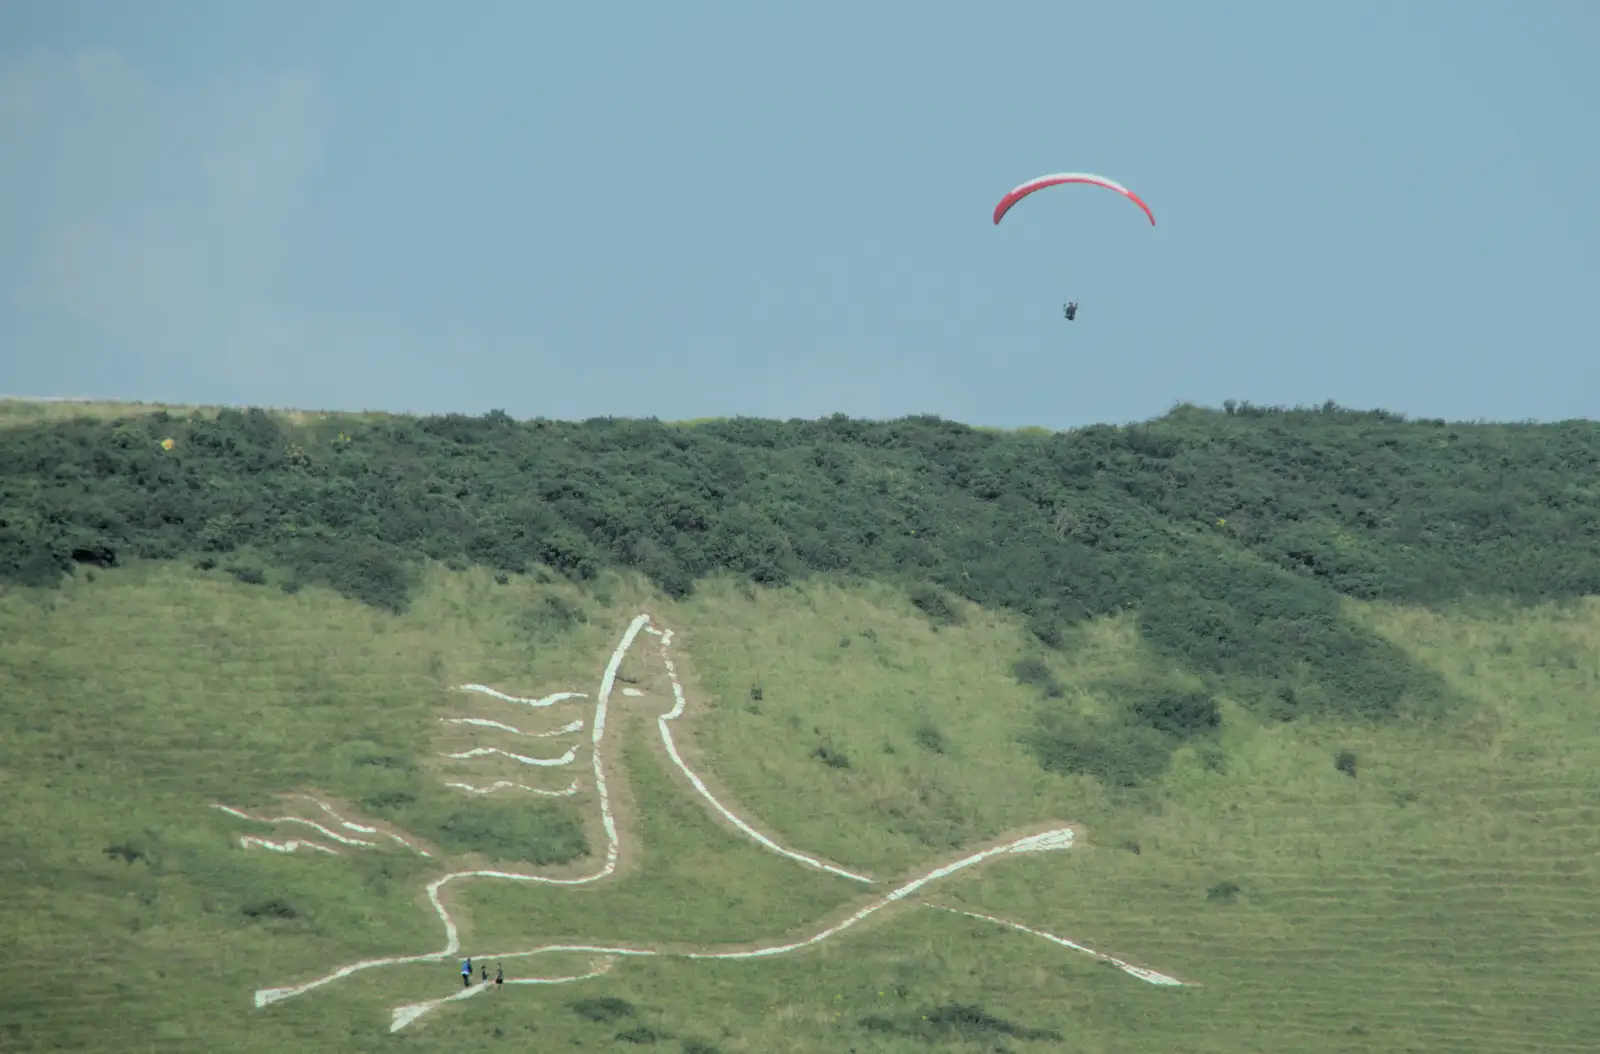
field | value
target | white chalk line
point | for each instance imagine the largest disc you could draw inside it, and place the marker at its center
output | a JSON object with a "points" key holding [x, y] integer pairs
{"points": [[1058, 839], [478, 752], [1128, 968], [679, 703], [484, 722], [571, 789], [549, 700], [325, 807], [293, 844]]}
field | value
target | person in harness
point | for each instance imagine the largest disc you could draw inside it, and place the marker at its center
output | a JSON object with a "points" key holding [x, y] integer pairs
{"points": [[1070, 309]]}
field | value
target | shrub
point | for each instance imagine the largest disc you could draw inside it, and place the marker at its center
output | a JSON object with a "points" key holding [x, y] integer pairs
{"points": [[1345, 762], [1177, 712], [1034, 673]]}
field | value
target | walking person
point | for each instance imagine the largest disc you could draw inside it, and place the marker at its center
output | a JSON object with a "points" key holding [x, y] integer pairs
{"points": [[466, 972], [485, 973], [499, 978]]}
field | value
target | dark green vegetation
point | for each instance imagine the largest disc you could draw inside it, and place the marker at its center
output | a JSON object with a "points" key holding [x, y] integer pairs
{"points": [[1232, 535]]}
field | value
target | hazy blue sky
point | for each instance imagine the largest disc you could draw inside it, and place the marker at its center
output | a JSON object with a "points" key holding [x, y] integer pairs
{"points": [[685, 209]]}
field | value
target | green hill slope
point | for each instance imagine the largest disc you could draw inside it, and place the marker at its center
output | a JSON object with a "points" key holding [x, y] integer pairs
{"points": [[1313, 688]]}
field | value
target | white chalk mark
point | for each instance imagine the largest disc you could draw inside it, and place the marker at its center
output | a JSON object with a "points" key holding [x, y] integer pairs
{"points": [[605, 968], [1140, 972], [549, 700], [633, 693], [501, 784], [408, 845], [679, 703], [247, 840], [1051, 840], [336, 836], [402, 1016], [325, 807], [484, 722], [476, 752]]}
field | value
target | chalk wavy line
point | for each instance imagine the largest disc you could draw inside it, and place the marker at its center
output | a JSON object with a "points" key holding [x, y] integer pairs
{"points": [[484, 722]]}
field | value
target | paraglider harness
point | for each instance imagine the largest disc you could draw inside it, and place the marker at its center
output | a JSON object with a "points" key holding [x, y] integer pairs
{"points": [[1070, 309]]}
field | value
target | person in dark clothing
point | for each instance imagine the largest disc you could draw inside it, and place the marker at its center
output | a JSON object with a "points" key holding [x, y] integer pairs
{"points": [[485, 973], [1071, 310], [499, 978]]}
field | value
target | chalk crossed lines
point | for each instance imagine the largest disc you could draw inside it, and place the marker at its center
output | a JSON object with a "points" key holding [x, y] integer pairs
{"points": [[605, 956]]}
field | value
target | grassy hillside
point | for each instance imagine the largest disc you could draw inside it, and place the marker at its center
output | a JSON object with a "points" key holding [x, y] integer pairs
{"points": [[1314, 688]]}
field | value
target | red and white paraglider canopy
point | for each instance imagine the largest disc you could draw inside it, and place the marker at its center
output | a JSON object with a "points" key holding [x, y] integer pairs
{"points": [[1059, 178]]}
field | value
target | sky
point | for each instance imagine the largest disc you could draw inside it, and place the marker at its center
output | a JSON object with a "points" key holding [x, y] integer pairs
{"points": [[784, 210]]}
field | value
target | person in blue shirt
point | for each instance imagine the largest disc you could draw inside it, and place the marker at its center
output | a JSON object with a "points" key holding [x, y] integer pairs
{"points": [[466, 972]]}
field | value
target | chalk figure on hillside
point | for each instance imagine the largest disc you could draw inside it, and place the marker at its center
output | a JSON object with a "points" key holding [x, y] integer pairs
{"points": [[606, 955]]}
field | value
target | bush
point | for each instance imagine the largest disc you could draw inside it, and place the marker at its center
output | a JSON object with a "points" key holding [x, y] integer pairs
{"points": [[1223, 892], [1345, 762], [930, 739], [276, 908], [602, 1009], [252, 576], [1177, 712], [1033, 673], [834, 759], [1118, 754], [363, 571], [933, 603], [639, 1034], [552, 617], [971, 1021]]}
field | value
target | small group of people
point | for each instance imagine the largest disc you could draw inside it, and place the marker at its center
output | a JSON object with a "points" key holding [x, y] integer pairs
{"points": [[466, 974]]}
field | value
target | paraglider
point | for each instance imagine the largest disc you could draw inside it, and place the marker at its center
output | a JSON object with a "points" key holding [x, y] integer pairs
{"points": [[1017, 193], [1023, 190]]}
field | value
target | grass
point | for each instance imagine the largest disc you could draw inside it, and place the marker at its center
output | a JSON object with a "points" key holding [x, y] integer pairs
{"points": [[1444, 897], [16, 412]]}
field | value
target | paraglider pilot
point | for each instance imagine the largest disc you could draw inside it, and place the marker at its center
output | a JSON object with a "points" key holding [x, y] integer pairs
{"points": [[1071, 310]]}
